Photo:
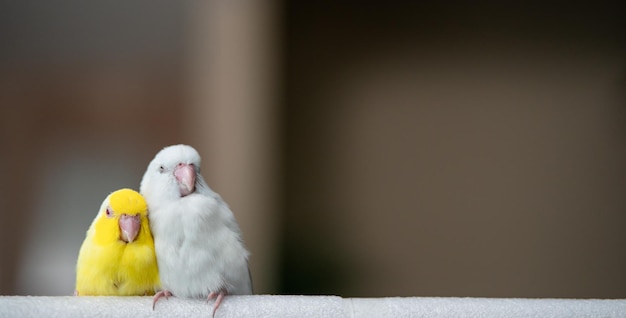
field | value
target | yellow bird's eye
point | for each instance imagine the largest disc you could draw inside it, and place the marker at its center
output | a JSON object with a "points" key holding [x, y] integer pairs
{"points": [[109, 212]]}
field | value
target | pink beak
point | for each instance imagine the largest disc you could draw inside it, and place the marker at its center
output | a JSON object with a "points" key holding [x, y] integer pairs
{"points": [[186, 176], [129, 227]]}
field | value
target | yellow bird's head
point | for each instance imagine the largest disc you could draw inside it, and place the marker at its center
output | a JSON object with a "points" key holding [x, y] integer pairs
{"points": [[123, 218]]}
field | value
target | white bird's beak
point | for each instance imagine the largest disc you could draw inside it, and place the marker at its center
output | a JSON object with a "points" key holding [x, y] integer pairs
{"points": [[129, 227], [186, 176]]}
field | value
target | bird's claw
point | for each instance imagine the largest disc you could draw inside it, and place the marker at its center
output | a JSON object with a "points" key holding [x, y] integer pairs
{"points": [[159, 295], [220, 295]]}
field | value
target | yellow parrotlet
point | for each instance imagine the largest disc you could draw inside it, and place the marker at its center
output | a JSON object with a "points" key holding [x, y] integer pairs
{"points": [[117, 257]]}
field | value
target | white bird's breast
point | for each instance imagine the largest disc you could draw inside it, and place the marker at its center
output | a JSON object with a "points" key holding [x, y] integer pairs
{"points": [[199, 248]]}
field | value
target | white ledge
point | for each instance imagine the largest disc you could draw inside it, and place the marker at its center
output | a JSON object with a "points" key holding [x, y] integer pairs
{"points": [[309, 306]]}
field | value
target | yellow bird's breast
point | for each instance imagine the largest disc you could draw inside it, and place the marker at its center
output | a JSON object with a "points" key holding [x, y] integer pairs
{"points": [[117, 269]]}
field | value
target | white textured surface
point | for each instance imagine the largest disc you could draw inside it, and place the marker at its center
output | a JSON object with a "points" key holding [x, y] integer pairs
{"points": [[309, 306]]}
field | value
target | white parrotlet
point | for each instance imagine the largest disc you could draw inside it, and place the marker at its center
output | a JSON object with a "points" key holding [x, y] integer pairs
{"points": [[199, 249]]}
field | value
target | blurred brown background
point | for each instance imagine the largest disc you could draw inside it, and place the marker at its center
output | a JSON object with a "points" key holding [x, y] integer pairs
{"points": [[366, 148]]}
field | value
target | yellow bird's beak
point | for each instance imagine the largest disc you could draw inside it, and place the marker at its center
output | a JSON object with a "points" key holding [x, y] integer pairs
{"points": [[129, 227]]}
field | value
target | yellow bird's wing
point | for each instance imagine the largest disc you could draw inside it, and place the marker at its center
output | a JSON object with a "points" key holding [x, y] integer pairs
{"points": [[96, 269]]}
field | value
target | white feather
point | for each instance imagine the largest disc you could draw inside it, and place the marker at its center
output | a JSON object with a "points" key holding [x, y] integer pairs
{"points": [[197, 240]]}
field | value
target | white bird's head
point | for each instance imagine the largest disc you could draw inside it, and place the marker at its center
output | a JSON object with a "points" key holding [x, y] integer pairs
{"points": [[173, 173]]}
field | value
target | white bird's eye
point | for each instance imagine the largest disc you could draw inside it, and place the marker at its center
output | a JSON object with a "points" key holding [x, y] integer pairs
{"points": [[161, 169], [109, 212]]}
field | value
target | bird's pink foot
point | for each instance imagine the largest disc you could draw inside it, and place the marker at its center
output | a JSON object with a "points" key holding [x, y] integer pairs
{"points": [[218, 300], [159, 295]]}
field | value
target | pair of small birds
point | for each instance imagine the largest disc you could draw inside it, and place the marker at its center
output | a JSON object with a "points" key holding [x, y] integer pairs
{"points": [[176, 238]]}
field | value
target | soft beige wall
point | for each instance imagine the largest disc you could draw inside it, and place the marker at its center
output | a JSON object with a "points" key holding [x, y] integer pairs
{"points": [[232, 116]]}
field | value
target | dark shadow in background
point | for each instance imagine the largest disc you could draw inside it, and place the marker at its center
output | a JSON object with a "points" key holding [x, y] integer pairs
{"points": [[377, 211]]}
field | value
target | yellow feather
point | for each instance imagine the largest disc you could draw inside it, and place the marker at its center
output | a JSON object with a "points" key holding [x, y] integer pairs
{"points": [[106, 264]]}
